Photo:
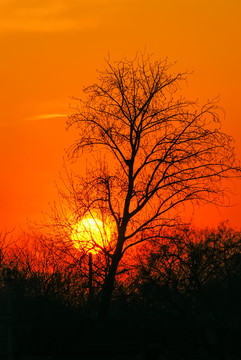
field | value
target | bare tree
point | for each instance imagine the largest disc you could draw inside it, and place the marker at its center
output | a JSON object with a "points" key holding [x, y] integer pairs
{"points": [[153, 151]]}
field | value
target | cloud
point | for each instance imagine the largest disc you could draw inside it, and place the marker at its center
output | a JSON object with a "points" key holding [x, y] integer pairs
{"points": [[45, 116], [33, 118], [48, 16]]}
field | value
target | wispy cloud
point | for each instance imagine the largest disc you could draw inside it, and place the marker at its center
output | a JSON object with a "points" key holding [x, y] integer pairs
{"points": [[33, 118], [47, 16], [45, 116]]}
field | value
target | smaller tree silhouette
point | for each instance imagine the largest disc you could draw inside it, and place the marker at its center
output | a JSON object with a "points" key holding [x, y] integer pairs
{"points": [[192, 275], [153, 151]]}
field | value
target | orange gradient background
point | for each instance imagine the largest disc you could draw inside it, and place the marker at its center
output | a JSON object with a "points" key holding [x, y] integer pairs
{"points": [[51, 49]]}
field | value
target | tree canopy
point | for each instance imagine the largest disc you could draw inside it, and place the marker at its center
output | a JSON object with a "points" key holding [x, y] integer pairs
{"points": [[154, 151]]}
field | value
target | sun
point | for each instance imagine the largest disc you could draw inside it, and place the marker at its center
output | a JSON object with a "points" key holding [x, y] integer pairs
{"points": [[90, 234]]}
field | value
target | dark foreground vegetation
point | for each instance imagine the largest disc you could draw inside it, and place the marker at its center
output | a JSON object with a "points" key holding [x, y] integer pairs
{"points": [[179, 298]]}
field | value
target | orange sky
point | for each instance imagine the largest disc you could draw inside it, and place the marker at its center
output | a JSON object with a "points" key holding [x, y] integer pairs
{"points": [[50, 49]]}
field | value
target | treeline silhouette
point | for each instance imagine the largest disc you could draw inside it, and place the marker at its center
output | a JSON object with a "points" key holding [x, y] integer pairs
{"points": [[176, 298]]}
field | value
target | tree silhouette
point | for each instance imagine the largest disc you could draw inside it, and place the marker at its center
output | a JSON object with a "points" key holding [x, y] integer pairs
{"points": [[153, 151]]}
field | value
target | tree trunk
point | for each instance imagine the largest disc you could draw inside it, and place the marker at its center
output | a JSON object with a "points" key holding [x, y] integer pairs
{"points": [[108, 286], [90, 285]]}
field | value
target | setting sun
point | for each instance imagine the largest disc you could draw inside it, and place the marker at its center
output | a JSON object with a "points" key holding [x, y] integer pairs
{"points": [[90, 234]]}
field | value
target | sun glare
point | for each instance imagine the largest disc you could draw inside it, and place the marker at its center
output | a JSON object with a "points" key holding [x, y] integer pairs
{"points": [[90, 234]]}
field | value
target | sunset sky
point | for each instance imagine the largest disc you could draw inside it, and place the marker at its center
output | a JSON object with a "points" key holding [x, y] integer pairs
{"points": [[51, 49]]}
